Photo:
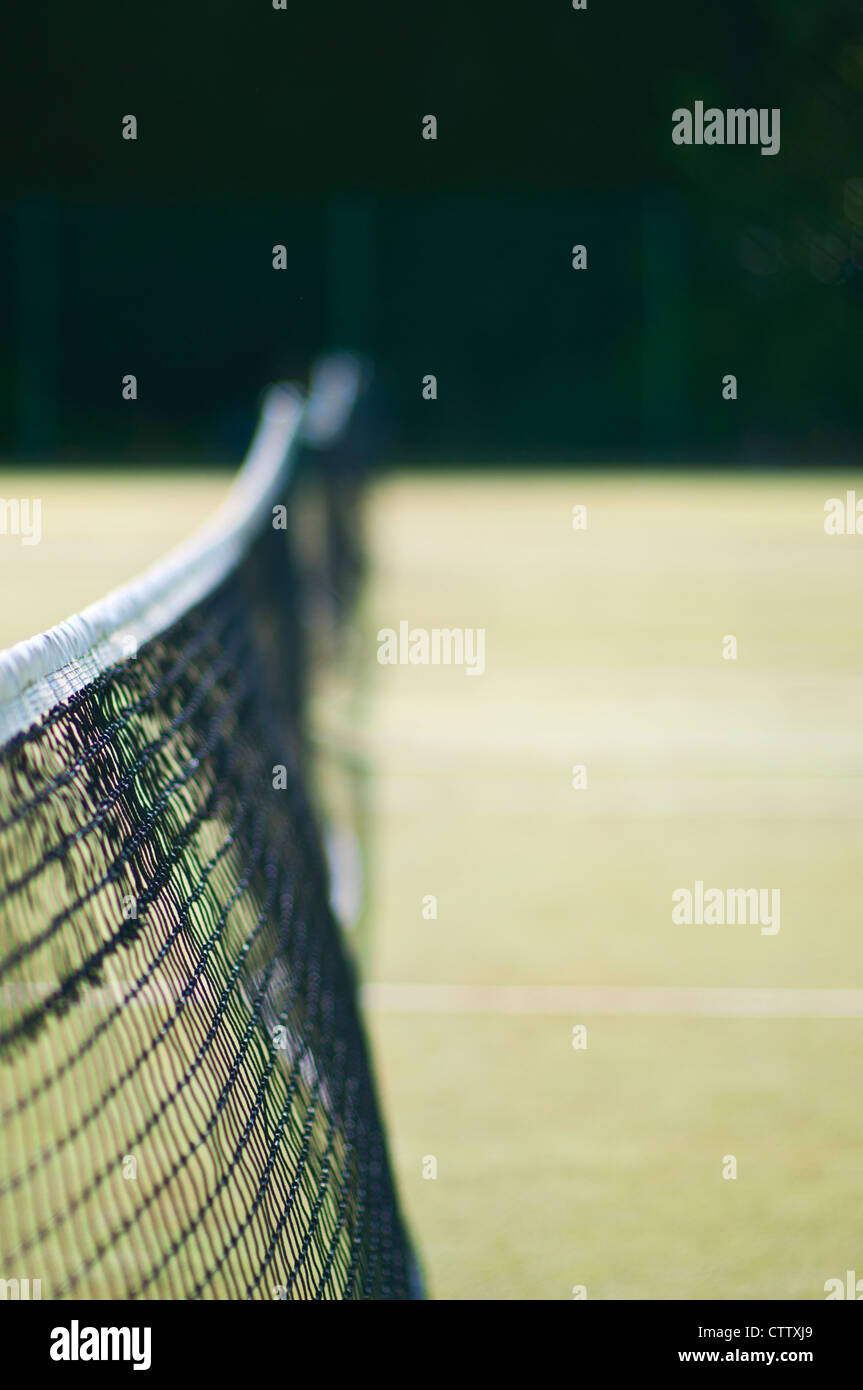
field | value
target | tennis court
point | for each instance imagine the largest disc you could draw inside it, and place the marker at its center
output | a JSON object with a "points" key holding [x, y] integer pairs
{"points": [[601, 1167]]}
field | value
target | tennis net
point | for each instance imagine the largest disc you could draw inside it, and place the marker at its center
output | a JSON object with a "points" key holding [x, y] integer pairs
{"points": [[187, 1108]]}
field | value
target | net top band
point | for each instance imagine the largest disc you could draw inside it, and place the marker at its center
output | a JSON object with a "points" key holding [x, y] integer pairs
{"points": [[41, 671]]}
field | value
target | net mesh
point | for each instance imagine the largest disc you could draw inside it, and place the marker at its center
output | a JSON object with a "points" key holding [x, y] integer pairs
{"points": [[187, 1104]]}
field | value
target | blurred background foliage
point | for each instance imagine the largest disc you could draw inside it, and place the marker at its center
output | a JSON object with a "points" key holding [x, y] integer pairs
{"points": [[302, 127]]}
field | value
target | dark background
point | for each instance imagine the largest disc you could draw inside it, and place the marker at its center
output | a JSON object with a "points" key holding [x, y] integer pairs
{"points": [[303, 127]]}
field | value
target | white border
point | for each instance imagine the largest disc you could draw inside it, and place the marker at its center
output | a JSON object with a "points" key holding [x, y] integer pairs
{"points": [[335, 384], [674, 1001], [38, 673]]}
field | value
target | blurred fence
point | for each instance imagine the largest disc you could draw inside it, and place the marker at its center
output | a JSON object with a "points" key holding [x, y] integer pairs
{"points": [[533, 359]]}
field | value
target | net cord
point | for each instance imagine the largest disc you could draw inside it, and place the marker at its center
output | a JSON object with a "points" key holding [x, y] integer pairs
{"points": [[41, 671]]}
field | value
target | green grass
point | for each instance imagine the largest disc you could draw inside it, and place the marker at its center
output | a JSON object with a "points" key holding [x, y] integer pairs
{"points": [[99, 530], [603, 1167], [604, 648], [600, 1167]]}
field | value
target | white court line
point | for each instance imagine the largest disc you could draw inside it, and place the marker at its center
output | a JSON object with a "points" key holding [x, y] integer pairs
{"points": [[613, 999], [156, 993], [529, 999]]}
